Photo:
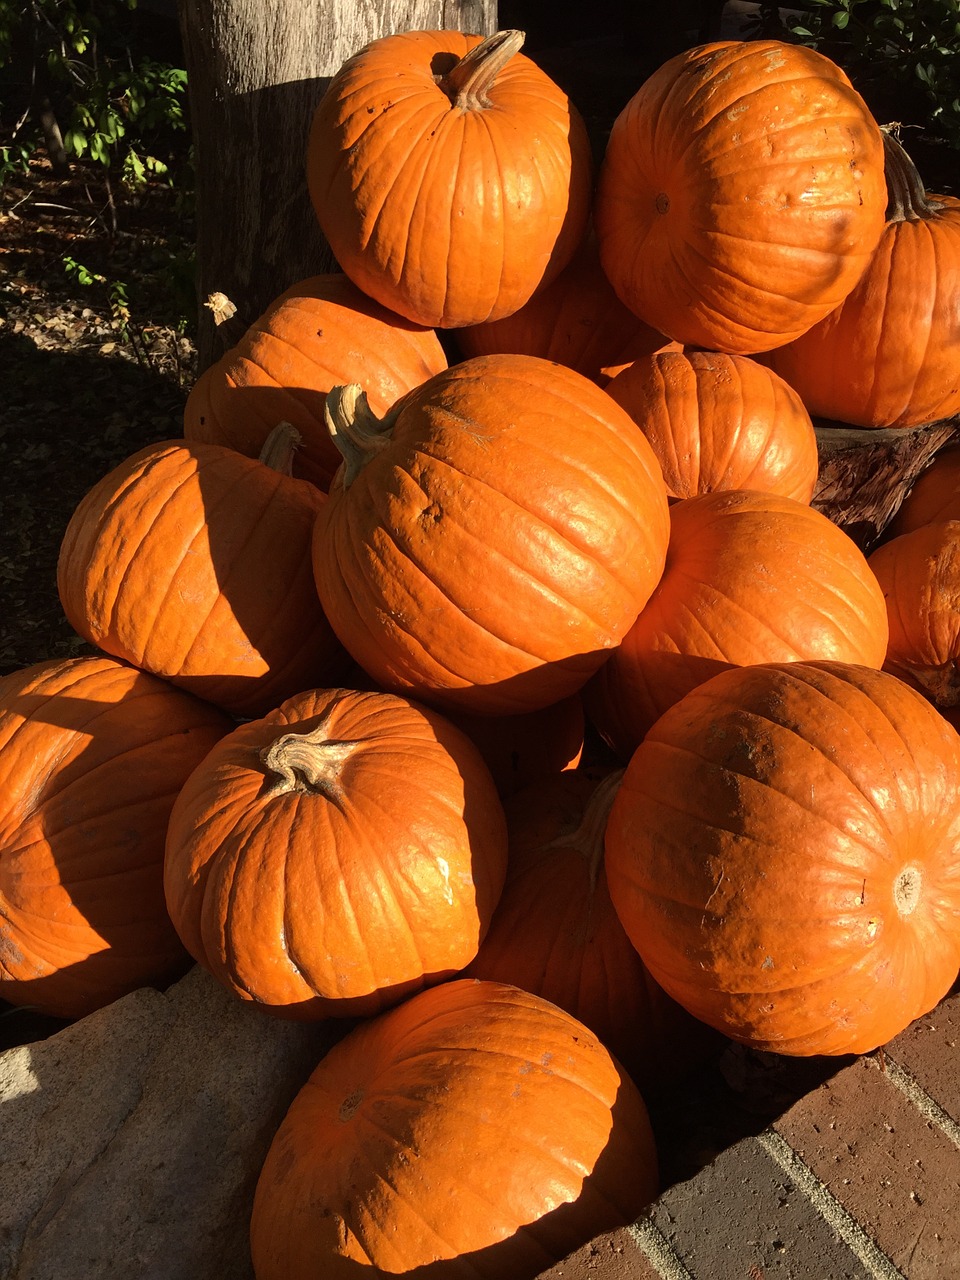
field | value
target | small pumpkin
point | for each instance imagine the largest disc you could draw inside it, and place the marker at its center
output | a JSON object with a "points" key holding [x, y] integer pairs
{"points": [[193, 562], [782, 852], [719, 421], [475, 1130], [741, 195], [577, 321], [889, 355], [555, 933], [919, 575], [321, 332], [934, 496], [451, 176], [751, 577], [92, 753], [488, 543], [336, 855]]}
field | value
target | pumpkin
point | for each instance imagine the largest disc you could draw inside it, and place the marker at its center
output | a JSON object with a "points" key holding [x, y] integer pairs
{"points": [[193, 562], [320, 333], [889, 355], [489, 543], [741, 195], [92, 753], [555, 933], [751, 577], [336, 855], [476, 1130], [577, 320], [520, 750], [719, 421], [450, 175], [782, 852], [919, 575], [934, 496]]}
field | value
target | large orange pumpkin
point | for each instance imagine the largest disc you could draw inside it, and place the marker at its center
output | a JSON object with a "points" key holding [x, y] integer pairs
{"points": [[92, 754], [320, 333], [783, 853], [193, 562], [555, 932], [488, 544], [475, 1131], [336, 855], [577, 320], [889, 356], [741, 195], [720, 422], [750, 577], [451, 176]]}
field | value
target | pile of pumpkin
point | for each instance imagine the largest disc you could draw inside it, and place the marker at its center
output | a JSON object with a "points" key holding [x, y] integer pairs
{"points": [[352, 625]]}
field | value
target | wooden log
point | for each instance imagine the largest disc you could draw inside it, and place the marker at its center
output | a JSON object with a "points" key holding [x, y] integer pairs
{"points": [[865, 473]]}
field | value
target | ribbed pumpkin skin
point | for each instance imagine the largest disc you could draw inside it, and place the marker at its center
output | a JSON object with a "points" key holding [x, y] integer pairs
{"points": [[919, 575], [344, 893], [750, 577], [321, 333], [447, 215], [935, 495], [577, 320], [492, 554], [720, 422], [783, 851], [92, 754], [193, 562], [475, 1132], [555, 933], [741, 195], [889, 356]]}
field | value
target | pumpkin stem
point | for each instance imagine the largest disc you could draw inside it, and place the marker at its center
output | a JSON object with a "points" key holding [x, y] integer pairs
{"points": [[280, 447], [468, 82], [907, 199], [354, 428], [307, 762], [588, 837]]}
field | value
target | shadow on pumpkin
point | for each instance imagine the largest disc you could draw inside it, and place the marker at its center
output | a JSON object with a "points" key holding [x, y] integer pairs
{"points": [[83, 919], [621, 1182]]}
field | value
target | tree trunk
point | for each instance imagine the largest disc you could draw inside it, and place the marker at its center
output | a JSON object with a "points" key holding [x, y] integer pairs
{"points": [[256, 70]]}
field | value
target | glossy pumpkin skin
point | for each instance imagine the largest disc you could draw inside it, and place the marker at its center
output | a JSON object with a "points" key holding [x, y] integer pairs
{"points": [[783, 854], [501, 541], [448, 212], [741, 195], [318, 334], [357, 862], [935, 496], [555, 933], [193, 562], [92, 753], [718, 421], [428, 1138], [577, 321], [919, 574], [751, 577], [889, 356]]}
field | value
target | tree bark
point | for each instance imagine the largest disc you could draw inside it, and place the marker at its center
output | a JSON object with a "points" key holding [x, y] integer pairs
{"points": [[256, 70]]}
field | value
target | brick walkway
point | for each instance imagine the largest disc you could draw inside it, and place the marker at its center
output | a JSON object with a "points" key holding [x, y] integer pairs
{"points": [[859, 1180]]}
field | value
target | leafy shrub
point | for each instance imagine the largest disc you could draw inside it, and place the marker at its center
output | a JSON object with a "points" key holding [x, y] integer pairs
{"points": [[88, 78]]}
